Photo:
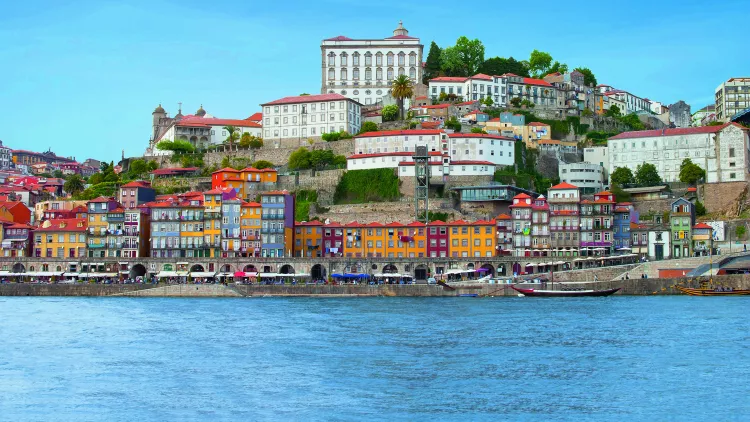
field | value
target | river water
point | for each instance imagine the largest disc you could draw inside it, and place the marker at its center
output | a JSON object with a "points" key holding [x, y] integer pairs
{"points": [[154, 359]]}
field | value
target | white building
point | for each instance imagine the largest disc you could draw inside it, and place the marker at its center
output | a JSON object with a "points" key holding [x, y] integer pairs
{"points": [[477, 87], [309, 116], [540, 92], [587, 176], [598, 155], [631, 103], [203, 131], [364, 69], [6, 157], [458, 153], [732, 97], [722, 151]]}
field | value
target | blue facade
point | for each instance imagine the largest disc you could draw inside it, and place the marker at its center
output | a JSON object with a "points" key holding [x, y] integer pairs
{"points": [[277, 224], [513, 119]]}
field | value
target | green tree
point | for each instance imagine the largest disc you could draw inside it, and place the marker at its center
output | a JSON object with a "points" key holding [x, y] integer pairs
{"points": [[588, 76], [527, 103], [632, 121], [515, 101], [488, 101], [245, 140], [432, 64], [714, 123], [137, 167], [613, 111], [477, 130], [178, 146], [739, 232], [320, 158], [401, 89], [256, 142], [389, 113], [73, 185], [539, 63], [501, 66], [453, 123], [619, 193], [300, 159], [263, 164], [96, 178], [622, 176], [690, 172], [700, 209], [464, 58], [368, 127], [58, 174], [647, 175], [232, 135]]}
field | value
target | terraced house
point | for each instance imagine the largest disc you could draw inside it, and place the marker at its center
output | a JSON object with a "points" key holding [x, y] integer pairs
{"points": [[98, 227], [61, 238]]}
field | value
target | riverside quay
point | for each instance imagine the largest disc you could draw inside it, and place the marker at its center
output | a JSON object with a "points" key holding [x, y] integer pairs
{"points": [[315, 268]]}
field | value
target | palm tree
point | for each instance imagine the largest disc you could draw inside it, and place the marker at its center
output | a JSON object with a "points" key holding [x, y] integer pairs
{"points": [[402, 88], [233, 135]]}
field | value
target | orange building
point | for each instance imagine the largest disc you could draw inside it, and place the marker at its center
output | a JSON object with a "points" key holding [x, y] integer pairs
{"points": [[308, 239], [247, 182]]}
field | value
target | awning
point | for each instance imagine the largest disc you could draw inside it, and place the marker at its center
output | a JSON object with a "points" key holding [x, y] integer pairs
{"points": [[268, 275], [308, 275], [167, 274], [394, 275], [97, 275], [225, 275], [203, 274], [5, 273], [44, 273], [7, 243]]}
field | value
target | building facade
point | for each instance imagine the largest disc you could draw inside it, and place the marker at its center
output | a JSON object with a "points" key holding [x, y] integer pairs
{"points": [[564, 226], [277, 224], [297, 119], [681, 221], [731, 97], [587, 176]]}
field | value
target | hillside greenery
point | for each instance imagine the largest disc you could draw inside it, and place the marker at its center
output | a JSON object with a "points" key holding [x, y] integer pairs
{"points": [[360, 186]]}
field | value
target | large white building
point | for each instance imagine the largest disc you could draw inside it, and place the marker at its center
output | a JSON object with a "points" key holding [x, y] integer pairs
{"points": [[632, 103], [477, 87], [309, 116], [364, 69], [722, 151], [450, 154], [732, 97], [598, 155], [588, 177]]}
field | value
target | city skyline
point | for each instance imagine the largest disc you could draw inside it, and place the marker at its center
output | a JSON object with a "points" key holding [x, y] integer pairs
{"points": [[94, 81]]}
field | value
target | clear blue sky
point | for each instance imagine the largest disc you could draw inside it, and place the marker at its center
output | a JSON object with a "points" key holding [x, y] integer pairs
{"points": [[83, 76]]}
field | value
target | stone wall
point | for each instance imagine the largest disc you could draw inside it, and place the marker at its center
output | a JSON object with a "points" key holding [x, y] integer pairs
{"points": [[382, 212], [324, 182], [183, 184], [657, 206], [723, 197], [602, 273]]}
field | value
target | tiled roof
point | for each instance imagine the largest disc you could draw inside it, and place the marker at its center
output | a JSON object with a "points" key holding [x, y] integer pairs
{"points": [[276, 192], [136, 184], [256, 117], [308, 223], [339, 38], [437, 223], [70, 225], [702, 226], [169, 171], [479, 135], [449, 79], [307, 99], [674, 132], [482, 76], [564, 185], [472, 162], [532, 81], [101, 199], [401, 37], [537, 124], [391, 154], [411, 163], [226, 170], [212, 121]]}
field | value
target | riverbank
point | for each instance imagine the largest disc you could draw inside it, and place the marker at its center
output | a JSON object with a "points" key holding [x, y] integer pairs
{"points": [[632, 287]]}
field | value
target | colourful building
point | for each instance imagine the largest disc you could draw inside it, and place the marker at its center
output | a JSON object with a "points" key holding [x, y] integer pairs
{"points": [[333, 239], [250, 228], [624, 214], [16, 239], [504, 230], [438, 242], [136, 193], [703, 239], [681, 220], [277, 224], [596, 224], [98, 210], [308, 239], [247, 183], [212, 233], [63, 238], [177, 229]]}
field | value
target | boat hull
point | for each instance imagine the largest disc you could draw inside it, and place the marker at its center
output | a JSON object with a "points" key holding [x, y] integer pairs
{"points": [[711, 292], [565, 293]]}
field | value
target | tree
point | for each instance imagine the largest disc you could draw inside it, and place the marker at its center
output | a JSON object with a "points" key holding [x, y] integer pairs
{"points": [[527, 103], [256, 142], [540, 64], [619, 193], [463, 59], [262, 164], [432, 64], [96, 178], [57, 173], [515, 101], [700, 209], [477, 130], [232, 135], [73, 185], [180, 146], [299, 159], [613, 111], [368, 127], [389, 113], [501, 66], [402, 89], [488, 101], [454, 124], [690, 172], [320, 158], [622, 176], [647, 175], [588, 76], [739, 232]]}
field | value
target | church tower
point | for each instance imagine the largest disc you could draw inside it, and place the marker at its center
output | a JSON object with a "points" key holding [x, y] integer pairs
{"points": [[157, 115], [400, 30]]}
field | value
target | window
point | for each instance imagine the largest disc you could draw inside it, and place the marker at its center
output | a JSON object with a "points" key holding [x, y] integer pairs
{"points": [[731, 152]]}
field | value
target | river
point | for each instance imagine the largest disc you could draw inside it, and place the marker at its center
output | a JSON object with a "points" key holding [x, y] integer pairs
{"points": [[135, 359]]}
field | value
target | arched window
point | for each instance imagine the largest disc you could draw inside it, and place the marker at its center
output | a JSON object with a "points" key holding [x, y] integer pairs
{"points": [[343, 74], [355, 73], [368, 74], [343, 59], [412, 59], [331, 74], [390, 74], [355, 59], [401, 71], [378, 59], [368, 59], [401, 58], [379, 74], [412, 73], [331, 59], [390, 59]]}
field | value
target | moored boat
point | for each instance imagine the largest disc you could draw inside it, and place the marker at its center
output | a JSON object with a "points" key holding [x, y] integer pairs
{"points": [[719, 291], [564, 293]]}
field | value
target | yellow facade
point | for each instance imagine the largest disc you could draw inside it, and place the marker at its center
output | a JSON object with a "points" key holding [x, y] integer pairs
{"points": [[250, 213], [64, 238], [212, 224], [308, 239], [374, 240]]}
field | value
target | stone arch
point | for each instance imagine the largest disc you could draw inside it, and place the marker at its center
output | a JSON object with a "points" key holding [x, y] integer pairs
{"points": [[286, 269], [198, 268], [31, 268], [226, 268], [194, 140], [318, 272], [137, 270], [204, 140], [490, 270], [19, 268], [58, 268], [266, 268], [390, 268], [421, 272], [516, 268], [182, 137], [249, 268], [502, 270], [470, 266]]}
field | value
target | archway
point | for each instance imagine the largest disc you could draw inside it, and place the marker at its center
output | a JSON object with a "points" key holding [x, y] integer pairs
{"points": [[516, 268], [470, 266], [197, 268], [286, 269], [487, 269], [226, 268], [137, 270], [420, 272], [19, 268], [502, 270], [250, 268], [318, 272], [194, 141], [390, 269]]}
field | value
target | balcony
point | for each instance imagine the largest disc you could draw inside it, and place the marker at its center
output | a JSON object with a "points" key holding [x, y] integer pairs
{"points": [[564, 212], [96, 245], [272, 216], [571, 228], [272, 231]]}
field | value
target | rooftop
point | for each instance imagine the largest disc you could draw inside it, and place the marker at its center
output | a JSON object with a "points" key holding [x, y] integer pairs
{"points": [[308, 99]]}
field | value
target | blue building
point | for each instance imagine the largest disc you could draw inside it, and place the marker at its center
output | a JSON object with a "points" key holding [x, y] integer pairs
{"points": [[230, 228], [277, 224], [623, 215]]}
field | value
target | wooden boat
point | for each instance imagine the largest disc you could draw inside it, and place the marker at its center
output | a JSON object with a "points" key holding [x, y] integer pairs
{"points": [[564, 293], [705, 291], [468, 295]]}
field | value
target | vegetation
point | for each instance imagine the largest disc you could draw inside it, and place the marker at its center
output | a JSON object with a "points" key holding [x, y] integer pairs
{"points": [[515, 102], [632, 121], [237, 163], [588, 76], [432, 64], [599, 138], [303, 159], [178, 146], [139, 168], [389, 113], [613, 111], [739, 232], [647, 175], [540, 64], [250, 142], [462, 59], [453, 123], [336, 136], [622, 176], [525, 174], [374, 185], [714, 123], [263, 164], [700, 209], [449, 97], [691, 173], [368, 127], [501, 66], [232, 135], [100, 189], [401, 89], [619, 193], [74, 184], [477, 130], [302, 201]]}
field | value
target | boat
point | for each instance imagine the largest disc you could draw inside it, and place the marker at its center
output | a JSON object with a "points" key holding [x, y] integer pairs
{"points": [[564, 293], [720, 291], [468, 295]]}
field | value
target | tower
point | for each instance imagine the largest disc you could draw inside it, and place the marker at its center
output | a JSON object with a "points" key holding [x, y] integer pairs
{"points": [[400, 30], [421, 184], [157, 115]]}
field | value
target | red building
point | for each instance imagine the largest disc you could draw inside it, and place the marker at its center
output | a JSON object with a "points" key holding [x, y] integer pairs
{"points": [[438, 244], [20, 212], [333, 240]]}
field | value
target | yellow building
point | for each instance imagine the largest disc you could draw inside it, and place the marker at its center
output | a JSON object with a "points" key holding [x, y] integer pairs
{"points": [[250, 228], [98, 226], [61, 238], [374, 240], [212, 201], [308, 239], [354, 243]]}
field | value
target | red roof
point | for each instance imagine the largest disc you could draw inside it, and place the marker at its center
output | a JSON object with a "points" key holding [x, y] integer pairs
{"points": [[673, 132], [532, 81], [434, 107], [212, 121], [307, 99], [401, 37], [430, 125], [170, 171], [479, 135], [71, 225], [692, 189], [472, 162], [249, 204], [482, 76], [256, 117], [392, 154], [339, 38], [411, 163], [101, 199], [437, 223], [448, 79], [137, 184], [522, 196], [702, 226], [308, 223], [276, 192], [226, 170], [537, 124], [400, 132], [564, 185], [503, 217]]}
